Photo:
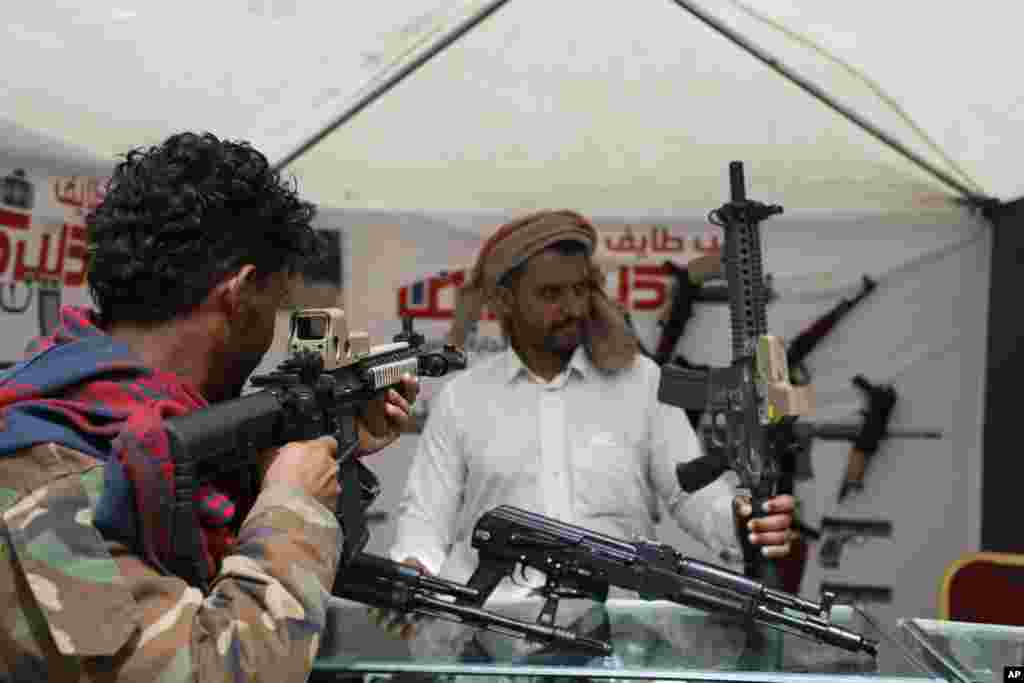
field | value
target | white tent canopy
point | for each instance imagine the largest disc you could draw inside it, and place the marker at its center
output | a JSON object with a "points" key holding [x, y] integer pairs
{"points": [[26, 148], [631, 107]]}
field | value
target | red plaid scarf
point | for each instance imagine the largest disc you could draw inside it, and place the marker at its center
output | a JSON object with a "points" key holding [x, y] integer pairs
{"points": [[81, 388]]}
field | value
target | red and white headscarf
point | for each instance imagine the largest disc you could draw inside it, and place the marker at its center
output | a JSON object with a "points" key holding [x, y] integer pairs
{"points": [[610, 343]]}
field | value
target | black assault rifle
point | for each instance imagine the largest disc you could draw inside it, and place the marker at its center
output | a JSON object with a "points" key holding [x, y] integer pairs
{"points": [[749, 401], [319, 390], [579, 563]]}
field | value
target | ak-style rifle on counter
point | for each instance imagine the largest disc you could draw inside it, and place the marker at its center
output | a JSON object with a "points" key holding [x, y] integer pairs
{"points": [[579, 563]]}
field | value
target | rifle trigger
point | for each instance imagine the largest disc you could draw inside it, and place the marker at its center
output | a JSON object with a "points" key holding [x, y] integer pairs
{"points": [[547, 613]]}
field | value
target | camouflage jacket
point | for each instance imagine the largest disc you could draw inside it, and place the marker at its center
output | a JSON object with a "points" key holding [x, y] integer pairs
{"points": [[75, 607]]}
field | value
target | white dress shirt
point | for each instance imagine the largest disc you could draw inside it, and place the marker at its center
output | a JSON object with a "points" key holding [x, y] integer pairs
{"points": [[588, 448]]}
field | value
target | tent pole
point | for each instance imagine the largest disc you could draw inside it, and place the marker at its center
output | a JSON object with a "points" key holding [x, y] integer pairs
{"points": [[387, 84], [824, 97]]}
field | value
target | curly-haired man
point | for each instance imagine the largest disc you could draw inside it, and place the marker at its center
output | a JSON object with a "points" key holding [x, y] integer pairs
{"points": [[192, 252]]}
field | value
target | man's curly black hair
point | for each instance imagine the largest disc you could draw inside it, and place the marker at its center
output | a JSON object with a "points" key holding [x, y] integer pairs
{"points": [[178, 217]]}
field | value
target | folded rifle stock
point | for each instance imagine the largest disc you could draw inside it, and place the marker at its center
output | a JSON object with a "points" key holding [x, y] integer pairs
{"points": [[380, 582]]}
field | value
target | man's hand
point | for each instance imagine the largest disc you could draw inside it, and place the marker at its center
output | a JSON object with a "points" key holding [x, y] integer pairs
{"points": [[386, 417], [400, 624], [309, 466], [772, 531]]}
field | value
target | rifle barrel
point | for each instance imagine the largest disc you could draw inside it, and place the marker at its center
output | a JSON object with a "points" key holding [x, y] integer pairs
{"points": [[912, 434], [842, 431], [491, 621]]}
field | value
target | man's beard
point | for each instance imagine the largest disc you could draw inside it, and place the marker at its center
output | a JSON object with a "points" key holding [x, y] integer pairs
{"points": [[566, 339]]}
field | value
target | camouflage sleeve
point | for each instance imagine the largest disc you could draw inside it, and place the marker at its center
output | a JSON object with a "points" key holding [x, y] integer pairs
{"points": [[76, 607], [266, 610]]}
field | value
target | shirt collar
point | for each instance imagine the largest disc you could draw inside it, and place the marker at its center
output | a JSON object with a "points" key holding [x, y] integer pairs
{"points": [[514, 367]]}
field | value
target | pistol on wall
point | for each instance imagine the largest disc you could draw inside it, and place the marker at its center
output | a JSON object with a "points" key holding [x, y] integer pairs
{"points": [[854, 594], [836, 533]]}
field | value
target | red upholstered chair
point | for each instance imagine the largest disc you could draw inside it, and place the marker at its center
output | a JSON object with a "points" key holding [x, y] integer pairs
{"points": [[986, 588]]}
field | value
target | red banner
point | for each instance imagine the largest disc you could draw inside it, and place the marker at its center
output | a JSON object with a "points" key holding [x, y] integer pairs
{"points": [[46, 242]]}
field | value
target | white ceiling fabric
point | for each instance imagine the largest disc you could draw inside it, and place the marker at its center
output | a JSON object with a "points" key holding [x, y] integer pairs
{"points": [[627, 107]]}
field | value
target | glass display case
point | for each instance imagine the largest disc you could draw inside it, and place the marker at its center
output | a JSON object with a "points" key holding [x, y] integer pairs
{"points": [[650, 640], [963, 652]]}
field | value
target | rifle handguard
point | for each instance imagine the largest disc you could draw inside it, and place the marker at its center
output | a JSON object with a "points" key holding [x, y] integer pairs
{"points": [[784, 398]]}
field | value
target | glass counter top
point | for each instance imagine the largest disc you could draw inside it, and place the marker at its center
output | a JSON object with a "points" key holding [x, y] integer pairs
{"points": [[965, 652], [650, 640]]}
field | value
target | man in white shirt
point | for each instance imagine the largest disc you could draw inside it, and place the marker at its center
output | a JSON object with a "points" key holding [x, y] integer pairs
{"points": [[565, 423]]}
